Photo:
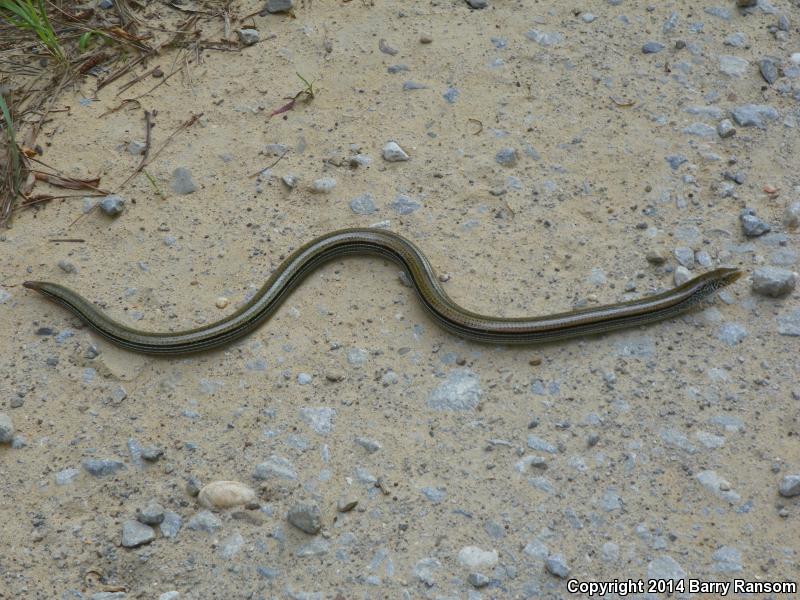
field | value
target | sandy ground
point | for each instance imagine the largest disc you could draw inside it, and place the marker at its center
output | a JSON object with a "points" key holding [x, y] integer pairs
{"points": [[652, 453]]}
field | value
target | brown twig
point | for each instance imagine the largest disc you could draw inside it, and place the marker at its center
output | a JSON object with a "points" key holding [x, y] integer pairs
{"points": [[136, 80], [256, 174], [71, 240]]}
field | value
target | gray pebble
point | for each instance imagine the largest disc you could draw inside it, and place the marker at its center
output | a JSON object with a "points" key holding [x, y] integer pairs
{"points": [[789, 323], [152, 514], [249, 36], [702, 258], [320, 419], [152, 453], [392, 152], [413, 85], [451, 95], [700, 130], [108, 595], [665, 567], [477, 4], [67, 266], [588, 17], [204, 520], [306, 517], [544, 38], [313, 548], [681, 275], [460, 391], [275, 467], [676, 160], [719, 11], [506, 157], [6, 429], [112, 205], [537, 443], [751, 224], [368, 444], [733, 66], [171, 524], [323, 185], [394, 69], [791, 216], [769, 69], [290, 181], [725, 128], [277, 6], [727, 559], [685, 256], [670, 23], [556, 565], [789, 486], [100, 467], [363, 205], [193, 486], [774, 281], [136, 534], [737, 40], [478, 580], [182, 181], [731, 333], [404, 205], [754, 115], [652, 48], [304, 378], [66, 476], [609, 552]]}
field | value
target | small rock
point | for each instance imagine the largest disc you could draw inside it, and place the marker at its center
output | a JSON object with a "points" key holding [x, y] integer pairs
{"points": [[249, 36], [392, 152], [725, 128], [682, 275], [746, 3], [136, 534], [102, 467], [685, 256], [769, 69], [544, 38], [737, 40], [754, 115], [652, 48], [733, 65], [791, 216], [473, 557], [112, 205], [323, 185], [67, 266], [478, 580], [171, 524], [290, 181], [275, 467], [368, 444], [676, 160], [306, 517], [173, 595], [152, 514], [204, 521], [460, 391], [66, 476], [193, 486], [751, 224], [789, 486], [277, 6], [655, 257], [152, 453], [773, 281], [225, 494], [425, 38], [506, 157], [404, 205], [182, 181], [477, 4], [6, 429], [363, 205], [556, 565]]}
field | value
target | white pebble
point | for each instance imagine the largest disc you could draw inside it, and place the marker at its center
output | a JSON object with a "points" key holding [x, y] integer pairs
{"points": [[324, 185], [392, 152]]}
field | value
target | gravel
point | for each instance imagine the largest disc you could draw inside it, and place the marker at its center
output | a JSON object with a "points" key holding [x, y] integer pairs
{"points": [[6, 429], [789, 486], [754, 115], [112, 205], [136, 534], [182, 182], [101, 467], [306, 517], [752, 226], [392, 152], [774, 281]]}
